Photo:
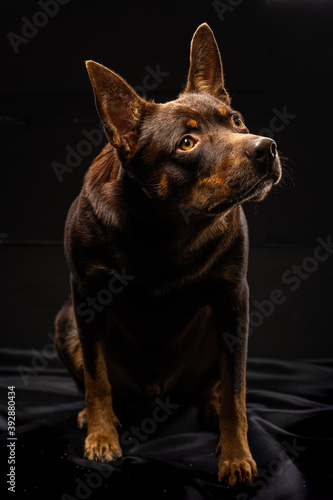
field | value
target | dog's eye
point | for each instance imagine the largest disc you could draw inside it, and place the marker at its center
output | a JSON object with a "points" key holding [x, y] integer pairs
{"points": [[187, 143], [238, 122]]}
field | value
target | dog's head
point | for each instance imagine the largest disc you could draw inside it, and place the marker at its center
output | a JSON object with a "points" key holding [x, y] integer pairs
{"points": [[193, 152]]}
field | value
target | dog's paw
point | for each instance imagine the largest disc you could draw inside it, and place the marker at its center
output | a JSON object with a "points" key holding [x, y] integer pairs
{"points": [[82, 418], [237, 470], [102, 447]]}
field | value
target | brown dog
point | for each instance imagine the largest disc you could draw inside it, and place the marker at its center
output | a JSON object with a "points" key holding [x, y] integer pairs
{"points": [[157, 248]]}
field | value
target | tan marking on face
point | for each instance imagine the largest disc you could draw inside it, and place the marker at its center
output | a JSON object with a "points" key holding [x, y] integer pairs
{"points": [[213, 181], [223, 111], [192, 123], [162, 189], [214, 187], [209, 188]]}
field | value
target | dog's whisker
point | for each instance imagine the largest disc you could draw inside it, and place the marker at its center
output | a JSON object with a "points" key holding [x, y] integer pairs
{"points": [[287, 169]]}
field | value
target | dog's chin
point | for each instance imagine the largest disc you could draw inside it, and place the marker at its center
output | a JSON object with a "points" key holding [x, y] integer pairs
{"points": [[261, 195], [256, 193]]}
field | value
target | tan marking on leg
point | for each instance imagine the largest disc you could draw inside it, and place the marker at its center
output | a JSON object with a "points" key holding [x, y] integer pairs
{"points": [[102, 442], [83, 418], [236, 462]]}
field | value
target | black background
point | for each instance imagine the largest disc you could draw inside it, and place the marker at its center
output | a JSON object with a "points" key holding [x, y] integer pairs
{"points": [[277, 56]]}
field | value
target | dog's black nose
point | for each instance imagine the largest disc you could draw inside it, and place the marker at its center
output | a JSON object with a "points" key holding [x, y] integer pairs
{"points": [[263, 150]]}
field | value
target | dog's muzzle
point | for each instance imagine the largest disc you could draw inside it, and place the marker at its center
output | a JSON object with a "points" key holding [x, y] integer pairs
{"points": [[263, 152]]}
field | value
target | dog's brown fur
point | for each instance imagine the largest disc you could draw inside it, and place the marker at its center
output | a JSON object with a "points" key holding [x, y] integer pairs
{"points": [[157, 248]]}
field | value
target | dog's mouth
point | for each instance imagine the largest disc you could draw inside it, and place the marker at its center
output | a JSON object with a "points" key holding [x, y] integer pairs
{"points": [[255, 193]]}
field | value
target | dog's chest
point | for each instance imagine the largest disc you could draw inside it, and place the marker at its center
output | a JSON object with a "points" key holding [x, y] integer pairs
{"points": [[155, 347]]}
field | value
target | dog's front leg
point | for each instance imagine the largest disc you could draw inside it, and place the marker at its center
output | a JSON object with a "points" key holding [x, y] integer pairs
{"points": [[102, 441], [236, 462]]}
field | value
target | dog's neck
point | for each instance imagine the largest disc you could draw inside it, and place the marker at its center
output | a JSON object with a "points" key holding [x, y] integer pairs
{"points": [[120, 203]]}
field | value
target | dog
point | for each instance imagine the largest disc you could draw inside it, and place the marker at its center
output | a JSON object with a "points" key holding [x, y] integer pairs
{"points": [[157, 248]]}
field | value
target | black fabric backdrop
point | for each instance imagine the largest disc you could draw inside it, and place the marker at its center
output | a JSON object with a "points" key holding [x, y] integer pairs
{"points": [[169, 455]]}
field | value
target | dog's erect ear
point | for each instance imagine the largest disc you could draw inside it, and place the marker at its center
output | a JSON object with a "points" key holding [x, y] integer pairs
{"points": [[206, 73], [118, 106]]}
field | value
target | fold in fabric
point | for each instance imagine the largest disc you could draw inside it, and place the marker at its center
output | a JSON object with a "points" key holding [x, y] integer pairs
{"points": [[290, 415]]}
